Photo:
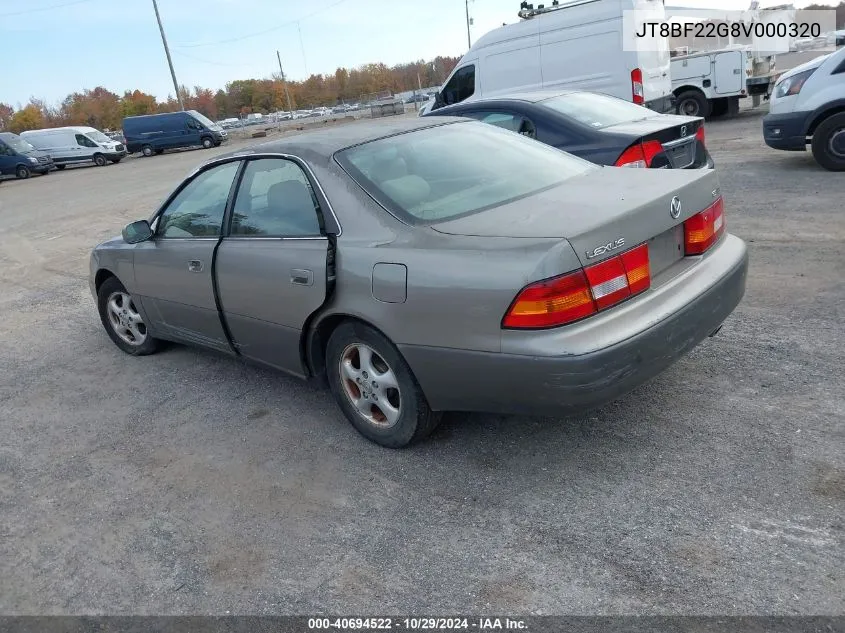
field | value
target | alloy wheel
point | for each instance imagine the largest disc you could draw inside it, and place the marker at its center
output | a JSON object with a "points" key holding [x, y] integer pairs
{"points": [[125, 320], [371, 385]]}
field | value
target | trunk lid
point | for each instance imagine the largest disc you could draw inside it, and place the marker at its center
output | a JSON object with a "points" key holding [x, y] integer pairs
{"points": [[676, 134], [601, 213]]}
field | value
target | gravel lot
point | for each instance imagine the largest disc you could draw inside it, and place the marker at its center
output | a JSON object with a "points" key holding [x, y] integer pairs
{"points": [[190, 483]]}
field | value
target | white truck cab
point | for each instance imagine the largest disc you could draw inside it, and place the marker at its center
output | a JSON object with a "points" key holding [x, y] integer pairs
{"points": [[807, 107], [576, 45]]}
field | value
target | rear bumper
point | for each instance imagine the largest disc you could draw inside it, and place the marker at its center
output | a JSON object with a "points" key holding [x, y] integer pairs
{"points": [[633, 349], [786, 131]]}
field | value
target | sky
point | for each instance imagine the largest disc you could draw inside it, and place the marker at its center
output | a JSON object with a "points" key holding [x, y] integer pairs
{"points": [[116, 43]]}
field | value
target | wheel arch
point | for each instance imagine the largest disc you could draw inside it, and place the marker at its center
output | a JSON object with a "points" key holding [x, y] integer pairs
{"points": [[103, 274], [686, 88], [828, 110], [315, 340]]}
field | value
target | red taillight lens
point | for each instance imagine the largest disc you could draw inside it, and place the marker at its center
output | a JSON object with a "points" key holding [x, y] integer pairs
{"points": [[637, 86], [572, 297], [637, 269], [608, 282], [704, 229], [640, 155], [700, 134], [551, 302]]}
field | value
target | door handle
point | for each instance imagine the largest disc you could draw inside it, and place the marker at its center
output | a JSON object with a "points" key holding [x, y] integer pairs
{"points": [[301, 277], [195, 266]]}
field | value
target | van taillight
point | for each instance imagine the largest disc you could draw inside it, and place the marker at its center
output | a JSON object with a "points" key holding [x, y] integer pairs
{"points": [[704, 229], [637, 86], [577, 295]]}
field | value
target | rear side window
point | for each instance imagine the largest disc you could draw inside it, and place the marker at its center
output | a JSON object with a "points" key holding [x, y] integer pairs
{"points": [[275, 199], [596, 110], [443, 172]]}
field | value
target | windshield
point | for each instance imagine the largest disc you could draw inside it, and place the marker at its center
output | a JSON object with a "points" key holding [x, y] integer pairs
{"points": [[17, 143], [202, 119], [98, 137], [596, 110], [451, 170]]}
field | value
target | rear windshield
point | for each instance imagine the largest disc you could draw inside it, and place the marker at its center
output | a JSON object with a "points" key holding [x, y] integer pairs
{"points": [[451, 170], [596, 110]]}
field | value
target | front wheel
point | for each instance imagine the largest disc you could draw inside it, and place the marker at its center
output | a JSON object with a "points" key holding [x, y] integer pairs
{"points": [[147, 151], [122, 320], [22, 172], [207, 143], [829, 143], [100, 160], [375, 388]]}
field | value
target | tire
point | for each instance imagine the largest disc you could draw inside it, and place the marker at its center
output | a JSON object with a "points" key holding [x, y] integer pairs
{"points": [[22, 172], [350, 374], [147, 151], [692, 103], [207, 143], [122, 321], [100, 160], [60, 167], [829, 143]]}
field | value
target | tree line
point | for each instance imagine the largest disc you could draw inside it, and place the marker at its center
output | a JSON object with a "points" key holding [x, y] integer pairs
{"points": [[103, 109]]}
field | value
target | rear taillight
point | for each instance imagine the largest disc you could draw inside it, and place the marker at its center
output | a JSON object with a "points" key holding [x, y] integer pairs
{"points": [[637, 86], [704, 229], [574, 296], [699, 135], [640, 155]]}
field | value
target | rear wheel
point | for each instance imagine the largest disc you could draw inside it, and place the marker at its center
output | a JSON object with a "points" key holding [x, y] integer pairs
{"points": [[100, 160], [375, 388], [22, 172], [115, 160], [207, 143], [122, 320], [829, 143], [692, 103], [147, 151]]}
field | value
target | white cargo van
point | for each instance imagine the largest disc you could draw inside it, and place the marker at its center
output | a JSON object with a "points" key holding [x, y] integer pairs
{"points": [[575, 45], [76, 144]]}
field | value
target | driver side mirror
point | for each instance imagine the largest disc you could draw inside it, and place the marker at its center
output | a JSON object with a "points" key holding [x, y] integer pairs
{"points": [[136, 232]]}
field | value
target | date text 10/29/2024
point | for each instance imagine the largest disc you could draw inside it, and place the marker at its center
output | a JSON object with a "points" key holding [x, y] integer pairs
{"points": [[482, 624]]}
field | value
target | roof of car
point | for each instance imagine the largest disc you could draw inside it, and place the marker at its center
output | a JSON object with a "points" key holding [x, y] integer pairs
{"points": [[323, 143]]}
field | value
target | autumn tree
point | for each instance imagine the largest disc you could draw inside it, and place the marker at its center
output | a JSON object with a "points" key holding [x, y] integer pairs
{"points": [[6, 113], [136, 103], [28, 118]]}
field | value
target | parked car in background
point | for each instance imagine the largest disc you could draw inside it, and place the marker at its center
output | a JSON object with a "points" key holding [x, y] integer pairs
{"points": [[153, 133], [577, 283], [76, 144], [115, 135], [599, 128], [807, 107], [566, 47], [21, 159]]}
